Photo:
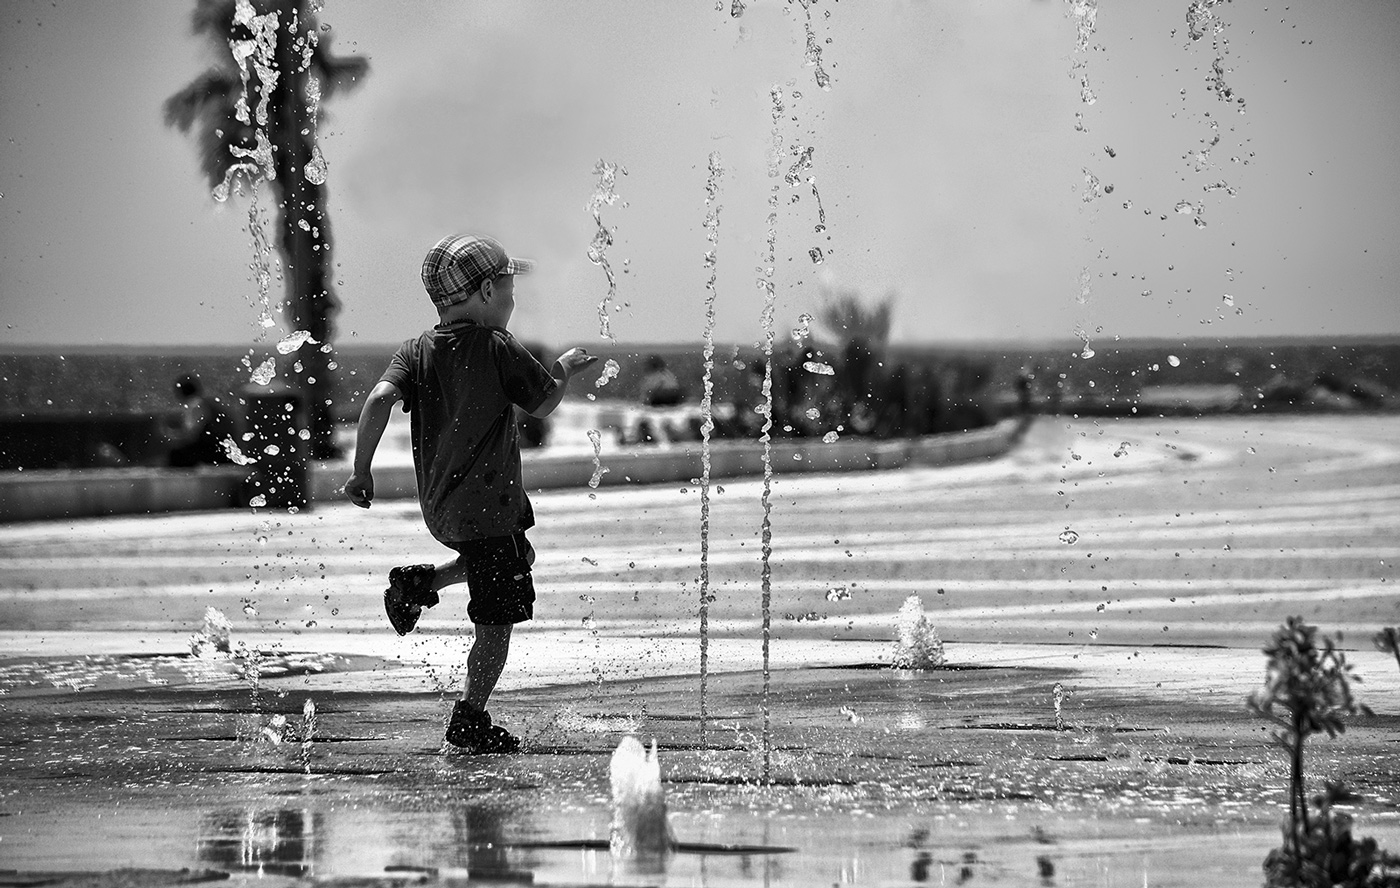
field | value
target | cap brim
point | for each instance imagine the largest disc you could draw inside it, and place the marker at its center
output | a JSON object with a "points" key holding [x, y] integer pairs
{"points": [[519, 266]]}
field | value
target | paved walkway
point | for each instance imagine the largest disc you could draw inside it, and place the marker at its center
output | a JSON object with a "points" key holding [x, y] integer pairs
{"points": [[1102, 592]]}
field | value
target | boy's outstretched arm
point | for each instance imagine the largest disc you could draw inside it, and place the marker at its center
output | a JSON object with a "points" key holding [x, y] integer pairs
{"points": [[374, 416], [569, 363]]}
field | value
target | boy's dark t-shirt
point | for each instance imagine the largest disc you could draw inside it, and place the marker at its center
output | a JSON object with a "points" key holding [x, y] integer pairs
{"points": [[460, 383]]}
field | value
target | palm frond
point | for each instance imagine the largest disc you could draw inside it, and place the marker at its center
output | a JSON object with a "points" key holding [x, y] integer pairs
{"points": [[211, 93]]}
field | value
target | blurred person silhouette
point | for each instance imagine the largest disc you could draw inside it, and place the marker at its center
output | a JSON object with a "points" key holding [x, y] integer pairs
{"points": [[200, 429], [660, 388]]}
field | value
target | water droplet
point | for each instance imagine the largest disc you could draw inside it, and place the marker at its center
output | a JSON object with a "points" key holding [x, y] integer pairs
{"points": [[830, 438], [819, 368], [838, 593], [812, 413], [610, 371], [294, 341], [816, 254], [1122, 449], [1069, 537], [851, 715], [272, 450], [315, 169], [1174, 360], [599, 470], [264, 373], [1228, 299], [258, 501]]}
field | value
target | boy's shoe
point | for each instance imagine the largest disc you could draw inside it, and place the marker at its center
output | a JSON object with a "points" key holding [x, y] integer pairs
{"points": [[410, 590], [471, 731]]}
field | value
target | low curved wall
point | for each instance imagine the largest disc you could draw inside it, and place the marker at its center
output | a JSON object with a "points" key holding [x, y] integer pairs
{"points": [[87, 493]]}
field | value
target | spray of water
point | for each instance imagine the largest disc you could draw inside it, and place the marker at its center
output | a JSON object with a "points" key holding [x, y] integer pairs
{"points": [[255, 55], [812, 57], [315, 168], [610, 370], [604, 194], [766, 285], [599, 470], [707, 425], [1085, 14], [308, 732], [917, 645]]}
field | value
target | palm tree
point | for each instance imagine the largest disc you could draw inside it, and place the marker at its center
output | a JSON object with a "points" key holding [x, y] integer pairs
{"points": [[302, 60], [861, 333]]}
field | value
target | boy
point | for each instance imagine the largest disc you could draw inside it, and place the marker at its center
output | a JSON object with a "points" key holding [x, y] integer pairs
{"points": [[460, 382]]}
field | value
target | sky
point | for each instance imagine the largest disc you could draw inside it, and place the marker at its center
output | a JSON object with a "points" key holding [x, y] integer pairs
{"points": [[955, 164]]}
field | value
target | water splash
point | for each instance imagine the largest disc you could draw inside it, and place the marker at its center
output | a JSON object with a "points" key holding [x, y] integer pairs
{"points": [[264, 373], [803, 329], [1093, 188], [253, 56], [604, 194], [707, 424], [1202, 20], [799, 166], [766, 286], [640, 829], [1087, 351], [234, 454], [308, 732], [812, 56], [610, 370], [1085, 14], [294, 341], [596, 438], [917, 645], [261, 264], [315, 169], [213, 639]]}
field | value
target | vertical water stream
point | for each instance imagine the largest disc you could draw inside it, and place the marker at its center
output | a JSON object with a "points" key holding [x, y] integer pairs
{"points": [[707, 425]]}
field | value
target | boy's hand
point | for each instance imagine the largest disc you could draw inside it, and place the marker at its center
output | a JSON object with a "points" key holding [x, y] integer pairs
{"points": [[360, 490], [574, 360]]}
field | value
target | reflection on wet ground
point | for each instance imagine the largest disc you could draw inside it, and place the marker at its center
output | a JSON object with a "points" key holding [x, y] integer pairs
{"points": [[941, 777]]}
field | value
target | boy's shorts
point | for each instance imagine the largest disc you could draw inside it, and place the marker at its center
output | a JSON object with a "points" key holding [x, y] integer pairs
{"points": [[498, 577]]}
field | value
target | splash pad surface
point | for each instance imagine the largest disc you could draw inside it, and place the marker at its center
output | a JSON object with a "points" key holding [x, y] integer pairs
{"points": [[1150, 772]]}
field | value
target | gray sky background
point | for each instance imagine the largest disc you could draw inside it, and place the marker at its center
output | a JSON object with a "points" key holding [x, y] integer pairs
{"points": [[946, 154]]}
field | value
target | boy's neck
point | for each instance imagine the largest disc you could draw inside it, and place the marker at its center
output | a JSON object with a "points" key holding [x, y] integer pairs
{"points": [[463, 311]]}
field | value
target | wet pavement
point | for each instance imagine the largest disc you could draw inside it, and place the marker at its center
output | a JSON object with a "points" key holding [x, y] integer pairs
{"points": [[1121, 754]]}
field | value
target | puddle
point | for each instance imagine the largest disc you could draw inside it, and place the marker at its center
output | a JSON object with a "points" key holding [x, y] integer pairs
{"points": [[997, 843]]}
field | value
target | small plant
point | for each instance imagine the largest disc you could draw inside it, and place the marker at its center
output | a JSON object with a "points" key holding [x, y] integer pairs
{"points": [[1329, 857], [1307, 691]]}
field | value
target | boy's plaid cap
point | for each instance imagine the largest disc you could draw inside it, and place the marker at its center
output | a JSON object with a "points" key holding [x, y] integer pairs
{"points": [[456, 265]]}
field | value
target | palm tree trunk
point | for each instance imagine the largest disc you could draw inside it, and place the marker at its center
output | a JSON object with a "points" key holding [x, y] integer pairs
{"points": [[304, 234]]}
